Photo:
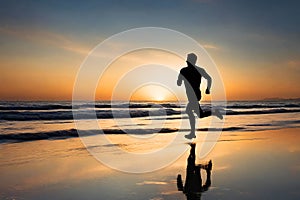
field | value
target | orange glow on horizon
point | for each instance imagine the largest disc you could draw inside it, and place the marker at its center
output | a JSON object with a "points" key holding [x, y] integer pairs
{"points": [[39, 79], [152, 93]]}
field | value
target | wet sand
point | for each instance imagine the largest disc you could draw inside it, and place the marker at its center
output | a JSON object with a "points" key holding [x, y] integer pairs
{"points": [[246, 165]]}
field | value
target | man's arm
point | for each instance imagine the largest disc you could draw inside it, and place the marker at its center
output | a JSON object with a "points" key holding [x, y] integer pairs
{"points": [[180, 79], [208, 78]]}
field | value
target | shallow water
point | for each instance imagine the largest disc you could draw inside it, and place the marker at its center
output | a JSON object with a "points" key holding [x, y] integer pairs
{"points": [[252, 165]]}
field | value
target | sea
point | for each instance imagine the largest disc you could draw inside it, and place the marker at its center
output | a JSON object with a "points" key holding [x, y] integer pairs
{"points": [[43, 157], [44, 120]]}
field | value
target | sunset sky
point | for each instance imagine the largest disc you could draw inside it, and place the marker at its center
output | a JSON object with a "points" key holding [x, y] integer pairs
{"points": [[255, 44]]}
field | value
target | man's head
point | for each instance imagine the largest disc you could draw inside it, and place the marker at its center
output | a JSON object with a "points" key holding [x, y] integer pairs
{"points": [[191, 58]]}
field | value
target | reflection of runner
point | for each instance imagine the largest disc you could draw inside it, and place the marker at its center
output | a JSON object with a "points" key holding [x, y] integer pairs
{"points": [[193, 183], [191, 75]]}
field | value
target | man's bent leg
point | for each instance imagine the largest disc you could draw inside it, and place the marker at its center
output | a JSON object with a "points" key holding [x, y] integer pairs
{"points": [[203, 114]]}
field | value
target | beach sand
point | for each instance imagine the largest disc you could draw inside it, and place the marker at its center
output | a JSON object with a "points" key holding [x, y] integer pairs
{"points": [[246, 165]]}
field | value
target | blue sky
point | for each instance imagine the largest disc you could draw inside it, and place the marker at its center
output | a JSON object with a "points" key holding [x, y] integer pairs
{"points": [[243, 37]]}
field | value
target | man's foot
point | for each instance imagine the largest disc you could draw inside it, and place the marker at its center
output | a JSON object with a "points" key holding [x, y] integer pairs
{"points": [[190, 136], [179, 183], [218, 114], [208, 166]]}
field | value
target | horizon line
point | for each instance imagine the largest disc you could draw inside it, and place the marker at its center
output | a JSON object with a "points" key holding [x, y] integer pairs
{"points": [[146, 100]]}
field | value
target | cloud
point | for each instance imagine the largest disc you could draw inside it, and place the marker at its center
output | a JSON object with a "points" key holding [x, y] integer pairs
{"points": [[152, 183], [47, 38], [219, 168], [294, 64], [210, 46]]}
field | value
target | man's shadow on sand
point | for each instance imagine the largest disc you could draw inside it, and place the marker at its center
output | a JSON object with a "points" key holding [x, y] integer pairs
{"points": [[193, 187]]}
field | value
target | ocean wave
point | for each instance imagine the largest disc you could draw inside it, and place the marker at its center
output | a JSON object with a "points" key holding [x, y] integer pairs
{"points": [[71, 133], [64, 134], [258, 112], [109, 114], [34, 111], [40, 136], [36, 107], [13, 106], [31, 106], [68, 115], [262, 106]]}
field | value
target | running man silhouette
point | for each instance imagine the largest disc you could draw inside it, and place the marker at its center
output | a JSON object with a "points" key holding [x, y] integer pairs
{"points": [[191, 75]]}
